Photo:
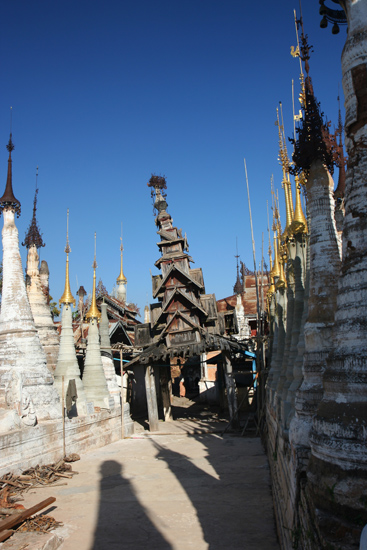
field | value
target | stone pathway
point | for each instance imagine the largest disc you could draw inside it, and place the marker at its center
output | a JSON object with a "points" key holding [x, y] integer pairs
{"points": [[160, 491]]}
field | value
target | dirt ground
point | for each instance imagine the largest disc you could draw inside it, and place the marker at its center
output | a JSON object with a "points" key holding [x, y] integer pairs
{"points": [[187, 487]]}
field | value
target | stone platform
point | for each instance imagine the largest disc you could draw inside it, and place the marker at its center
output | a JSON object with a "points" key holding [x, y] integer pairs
{"points": [[158, 491], [43, 444]]}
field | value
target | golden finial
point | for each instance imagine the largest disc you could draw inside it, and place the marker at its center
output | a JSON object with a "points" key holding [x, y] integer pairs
{"points": [[67, 297], [275, 270], [299, 224], [93, 312], [121, 278], [287, 164]]}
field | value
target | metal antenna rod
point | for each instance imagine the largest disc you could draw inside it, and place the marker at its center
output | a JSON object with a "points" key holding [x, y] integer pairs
{"points": [[95, 251], [67, 247], [253, 249]]}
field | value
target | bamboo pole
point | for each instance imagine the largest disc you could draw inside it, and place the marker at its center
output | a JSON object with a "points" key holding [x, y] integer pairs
{"points": [[63, 415], [258, 357], [122, 395]]}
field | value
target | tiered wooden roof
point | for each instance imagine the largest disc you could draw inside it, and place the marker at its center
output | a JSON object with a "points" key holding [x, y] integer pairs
{"points": [[185, 320]]}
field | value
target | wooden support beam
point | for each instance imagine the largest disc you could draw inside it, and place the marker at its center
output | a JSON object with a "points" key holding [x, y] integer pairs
{"points": [[231, 389], [9, 522], [151, 399], [166, 389]]}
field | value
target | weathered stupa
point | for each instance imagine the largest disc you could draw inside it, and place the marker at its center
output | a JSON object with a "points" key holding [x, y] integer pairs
{"points": [[94, 379], [26, 384], [67, 364], [38, 295], [107, 358]]}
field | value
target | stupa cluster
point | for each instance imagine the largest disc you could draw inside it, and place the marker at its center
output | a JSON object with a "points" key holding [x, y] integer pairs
{"points": [[38, 369], [316, 410]]}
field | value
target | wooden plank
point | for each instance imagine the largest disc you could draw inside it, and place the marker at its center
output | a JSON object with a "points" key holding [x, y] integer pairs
{"points": [[5, 534], [24, 514], [151, 399]]}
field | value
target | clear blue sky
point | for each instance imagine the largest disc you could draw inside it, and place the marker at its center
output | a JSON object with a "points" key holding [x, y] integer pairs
{"points": [[105, 93]]}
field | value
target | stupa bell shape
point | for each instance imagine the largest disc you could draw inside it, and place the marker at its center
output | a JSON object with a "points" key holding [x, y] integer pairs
{"points": [[107, 357], [94, 379], [26, 384]]}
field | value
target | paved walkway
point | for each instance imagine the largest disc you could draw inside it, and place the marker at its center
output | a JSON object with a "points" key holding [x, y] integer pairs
{"points": [[163, 492]]}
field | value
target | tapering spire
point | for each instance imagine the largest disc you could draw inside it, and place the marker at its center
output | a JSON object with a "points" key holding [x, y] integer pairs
{"points": [[8, 200], [67, 297], [237, 289], [284, 162], [296, 52], [33, 235], [121, 278], [93, 312]]}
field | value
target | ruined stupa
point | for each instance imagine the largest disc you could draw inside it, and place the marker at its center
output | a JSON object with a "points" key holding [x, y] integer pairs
{"points": [[94, 379], [38, 295], [67, 364], [107, 357], [26, 384]]}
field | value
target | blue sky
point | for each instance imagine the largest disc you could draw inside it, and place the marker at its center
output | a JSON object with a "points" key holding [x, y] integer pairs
{"points": [[106, 93]]}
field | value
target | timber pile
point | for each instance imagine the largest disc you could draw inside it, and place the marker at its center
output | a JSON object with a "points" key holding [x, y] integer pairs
{"points": [[42, 524], [13, 486]]}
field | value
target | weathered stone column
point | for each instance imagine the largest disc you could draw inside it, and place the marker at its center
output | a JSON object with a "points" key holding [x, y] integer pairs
{"points": [[151, 395], [231, 389], [26, 385], [324, 271], [41, 310], [338, 466], [107, 357]]}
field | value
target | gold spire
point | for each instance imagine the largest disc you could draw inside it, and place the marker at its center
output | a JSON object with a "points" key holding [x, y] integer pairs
{"points": [[93, 312], [275, 270], [121, 278], [283, 159], [297, 53], [287, 164], [299, 224], [67, 297]]}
